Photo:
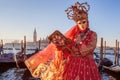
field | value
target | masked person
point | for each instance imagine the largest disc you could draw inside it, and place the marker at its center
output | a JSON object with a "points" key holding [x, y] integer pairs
{"points": [[75, 63], [81, 66]]}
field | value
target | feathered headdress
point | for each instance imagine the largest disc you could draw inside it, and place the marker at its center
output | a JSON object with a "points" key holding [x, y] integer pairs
{"points": [[78, 11]]}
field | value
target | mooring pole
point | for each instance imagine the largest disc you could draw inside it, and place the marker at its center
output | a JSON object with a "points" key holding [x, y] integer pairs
{"points": [[1, 52], [39, 43], [104, 49], [115, 52], [25, 47], [101, 54]]}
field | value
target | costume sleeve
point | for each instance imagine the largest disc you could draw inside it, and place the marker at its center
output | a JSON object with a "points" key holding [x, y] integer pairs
{"points": [[39, 58], [46, 64], [86, 49]]}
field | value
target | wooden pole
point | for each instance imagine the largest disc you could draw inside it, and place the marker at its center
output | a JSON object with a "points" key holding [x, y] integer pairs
{"points": [[2, 46], [14, 52], [22, 48], [39, 43], [21, 44], [25, 47], [117, 53], [104, 49], [2, 51], [101, 52]]}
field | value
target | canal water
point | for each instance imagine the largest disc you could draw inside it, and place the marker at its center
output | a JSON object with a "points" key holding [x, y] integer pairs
{"points": [[23, 74]]}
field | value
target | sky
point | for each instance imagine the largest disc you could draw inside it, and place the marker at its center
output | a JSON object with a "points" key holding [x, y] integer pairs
{"points": [[19, 18]]}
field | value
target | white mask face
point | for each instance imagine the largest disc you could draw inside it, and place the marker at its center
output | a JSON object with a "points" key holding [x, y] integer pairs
{"points": [[82, 24]]}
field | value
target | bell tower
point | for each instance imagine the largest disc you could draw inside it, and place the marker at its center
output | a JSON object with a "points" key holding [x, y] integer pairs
{"points": [[35, 35]]}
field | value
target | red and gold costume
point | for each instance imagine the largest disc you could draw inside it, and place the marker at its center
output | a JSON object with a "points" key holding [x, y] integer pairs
{"points": [[82, 65], [58, 63]]}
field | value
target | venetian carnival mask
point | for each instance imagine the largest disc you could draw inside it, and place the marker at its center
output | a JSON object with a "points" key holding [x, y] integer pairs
{"points": [[82, 24], [79, 13]]}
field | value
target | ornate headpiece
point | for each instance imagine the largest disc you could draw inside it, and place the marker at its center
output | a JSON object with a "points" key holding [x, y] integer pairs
{"points": [[78, 11]]}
